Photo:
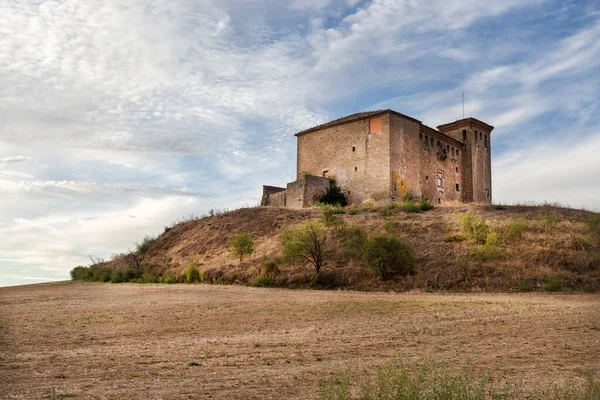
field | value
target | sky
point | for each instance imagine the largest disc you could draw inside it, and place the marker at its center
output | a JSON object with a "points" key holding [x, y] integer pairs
{"points": [[118, 117]]}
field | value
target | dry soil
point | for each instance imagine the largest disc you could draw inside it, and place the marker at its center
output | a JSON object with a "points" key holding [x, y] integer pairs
{"points": [[125, 341]]}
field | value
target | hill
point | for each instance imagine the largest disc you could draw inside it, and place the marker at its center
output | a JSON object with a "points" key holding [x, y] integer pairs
{"points": [[530, 248]]}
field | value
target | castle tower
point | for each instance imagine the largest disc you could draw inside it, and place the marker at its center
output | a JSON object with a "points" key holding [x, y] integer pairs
{"points": [[476, 161]]}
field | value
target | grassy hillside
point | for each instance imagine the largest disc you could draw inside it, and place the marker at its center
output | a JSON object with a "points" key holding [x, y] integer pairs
{"points": [[522, 248]]}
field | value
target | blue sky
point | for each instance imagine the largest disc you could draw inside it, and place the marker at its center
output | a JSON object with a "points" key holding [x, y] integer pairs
{"points": [[119, 116]]}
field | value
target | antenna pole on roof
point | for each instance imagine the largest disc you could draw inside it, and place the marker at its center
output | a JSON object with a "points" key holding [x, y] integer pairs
{"points": [[463, 98]]}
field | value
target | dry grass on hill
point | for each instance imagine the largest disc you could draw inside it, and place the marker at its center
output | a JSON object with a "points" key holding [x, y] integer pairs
{"points": [[554, 244]]}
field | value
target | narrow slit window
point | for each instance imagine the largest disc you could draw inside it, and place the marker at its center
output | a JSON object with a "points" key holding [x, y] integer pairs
{"points": [[457, 188], [485, 142], [457, 170], [464, 134], [475, 135], [431, 142], [355, 169], [353, 148], [420, 136]]}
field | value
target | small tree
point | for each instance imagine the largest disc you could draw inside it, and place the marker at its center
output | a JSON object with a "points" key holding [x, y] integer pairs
{"points": [[242, 245], [307, 242], [387, 256]]}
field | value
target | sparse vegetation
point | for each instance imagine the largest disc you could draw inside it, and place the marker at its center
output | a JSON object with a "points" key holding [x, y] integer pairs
{"points": [[594, 224], [388, 256], [192, 274], [307, 242], [242, 245], [428, 380], [474, 227], [524, 285], [516, 228], [553, 284]]}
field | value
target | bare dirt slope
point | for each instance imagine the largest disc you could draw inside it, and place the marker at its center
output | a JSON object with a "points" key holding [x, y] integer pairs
{"points": [[107, 341], [567, 249]]}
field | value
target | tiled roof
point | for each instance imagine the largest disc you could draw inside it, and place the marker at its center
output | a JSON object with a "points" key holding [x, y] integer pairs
{"points": [[353, 117]]}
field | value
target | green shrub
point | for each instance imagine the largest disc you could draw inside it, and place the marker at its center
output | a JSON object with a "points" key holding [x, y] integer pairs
{"points": [[334, 195], [549, 222], [553, 284], [425, 205], [354, 211], [354, 242], [149, 278], [579, 242], [263, 281], [191, 274], [524, 285], [473, 227], [331, 215], [594, 224], [410, 206], [242, 245], [269, 266], [386, 211], [388, 256], [516, 228], [117, 276], [78, 273], [168, 279]]}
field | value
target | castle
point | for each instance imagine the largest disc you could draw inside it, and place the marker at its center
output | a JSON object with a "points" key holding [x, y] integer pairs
{"points": [[385, 155]]}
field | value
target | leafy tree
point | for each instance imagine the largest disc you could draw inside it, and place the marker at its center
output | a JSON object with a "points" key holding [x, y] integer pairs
{"points": [[242, 245], [388, 256], [307, 242]]}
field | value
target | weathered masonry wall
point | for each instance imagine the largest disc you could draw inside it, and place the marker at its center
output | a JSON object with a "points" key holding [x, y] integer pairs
{"points": [[357, 159], [273, 196], [405, 158], [477, 167], [441, 166]]}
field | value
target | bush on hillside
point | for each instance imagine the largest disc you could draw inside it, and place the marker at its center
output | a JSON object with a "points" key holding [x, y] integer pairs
{"points": [[388, 256], [242, 245], [191, 273], [474, 227]]}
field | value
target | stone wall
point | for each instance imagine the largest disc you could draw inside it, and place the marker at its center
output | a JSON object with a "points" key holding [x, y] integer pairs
{"points": [[273, 196], [359, 161]]}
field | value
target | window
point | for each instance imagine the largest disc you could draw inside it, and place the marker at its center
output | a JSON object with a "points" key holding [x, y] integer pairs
{"points": [[431, 142], [420, 136], [485, 142], [355, 169], [426, 140], [456, 151], [453, 151], [457, 189], [480, 135], [487, 193], [326, 173], [375, 125], [448, 147], [426, 178], [353, 148], [464, 133], [475, 133], [457, 170]]}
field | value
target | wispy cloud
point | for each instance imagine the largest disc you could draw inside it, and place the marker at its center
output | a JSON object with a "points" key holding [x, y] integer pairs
{"points": [[120, 108]]}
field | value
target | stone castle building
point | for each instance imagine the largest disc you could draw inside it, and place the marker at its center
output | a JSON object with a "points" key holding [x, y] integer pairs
{"points": [[384, 155]]}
